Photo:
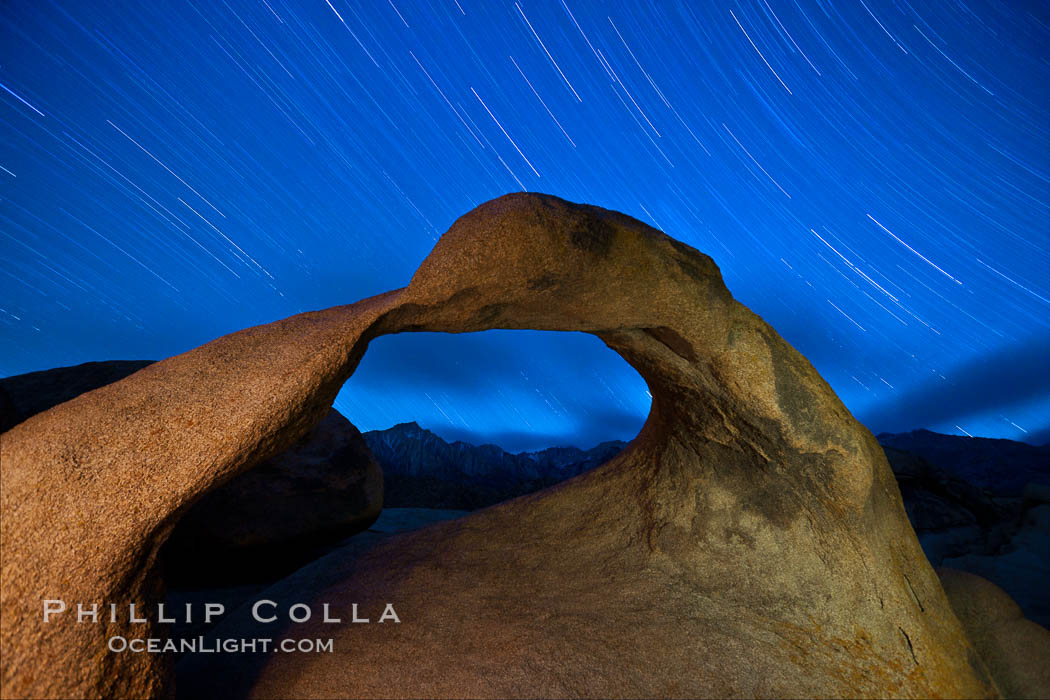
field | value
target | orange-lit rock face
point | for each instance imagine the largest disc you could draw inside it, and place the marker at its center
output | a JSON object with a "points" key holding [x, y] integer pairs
{"points": [[750, 541]]}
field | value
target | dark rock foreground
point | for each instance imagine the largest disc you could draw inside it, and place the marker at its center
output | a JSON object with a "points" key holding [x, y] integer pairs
{"points": [[986, 531], [750, 541], [1003, 467], [1014, 648], [280, 514]]}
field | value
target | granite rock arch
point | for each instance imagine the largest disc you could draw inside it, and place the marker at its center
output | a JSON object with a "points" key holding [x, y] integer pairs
{"points": [[750, 541]]}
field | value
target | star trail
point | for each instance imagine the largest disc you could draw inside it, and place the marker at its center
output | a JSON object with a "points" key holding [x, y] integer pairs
{"points": [[871, 177]]}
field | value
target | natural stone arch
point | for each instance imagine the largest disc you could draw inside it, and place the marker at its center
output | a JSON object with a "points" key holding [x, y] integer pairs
{"points": [[753, 520]]}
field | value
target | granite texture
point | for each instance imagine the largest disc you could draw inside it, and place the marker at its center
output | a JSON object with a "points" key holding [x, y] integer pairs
{"points": [[751, 541]]}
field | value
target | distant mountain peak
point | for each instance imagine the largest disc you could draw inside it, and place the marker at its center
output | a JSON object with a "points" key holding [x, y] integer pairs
{"points": [[409, 426], [463, 475]]}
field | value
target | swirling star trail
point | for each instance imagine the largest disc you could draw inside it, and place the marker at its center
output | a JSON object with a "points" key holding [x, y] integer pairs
{"points": [[871, 177]]}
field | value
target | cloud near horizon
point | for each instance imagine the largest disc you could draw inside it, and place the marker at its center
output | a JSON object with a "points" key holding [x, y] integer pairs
{"points": [[988, 384]]}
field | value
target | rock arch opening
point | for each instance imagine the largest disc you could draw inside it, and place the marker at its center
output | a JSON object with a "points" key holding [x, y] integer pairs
{"points": [[446, 418], [464, 421]]}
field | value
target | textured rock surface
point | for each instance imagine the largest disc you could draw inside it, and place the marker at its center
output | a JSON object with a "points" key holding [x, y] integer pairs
{"points": [[92, 488], [35, 392], [1016, 650], [264, 523], [750, 541]]}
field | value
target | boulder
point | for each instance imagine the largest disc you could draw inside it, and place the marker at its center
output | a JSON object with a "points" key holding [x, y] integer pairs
{"points": [[281, 514], [1036, 493], [1021, 567], [1015, 649], [750, 541], [9, 415], [951, 516]]}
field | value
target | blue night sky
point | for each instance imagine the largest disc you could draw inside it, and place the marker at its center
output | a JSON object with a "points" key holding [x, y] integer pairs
{"points": [[870, 175]]}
